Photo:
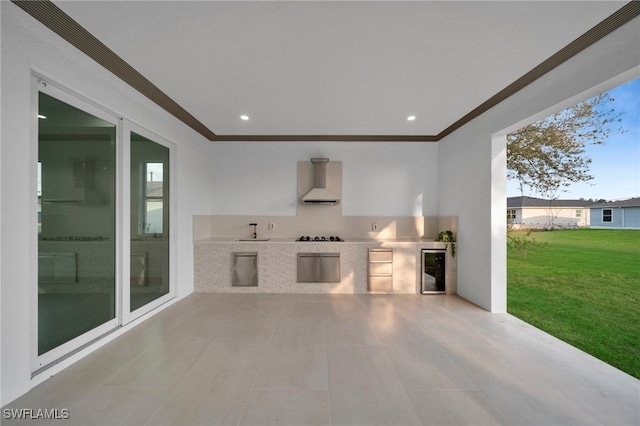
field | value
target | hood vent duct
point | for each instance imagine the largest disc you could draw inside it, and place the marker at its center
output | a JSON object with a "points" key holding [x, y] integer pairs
{"points": [[320, 195]]}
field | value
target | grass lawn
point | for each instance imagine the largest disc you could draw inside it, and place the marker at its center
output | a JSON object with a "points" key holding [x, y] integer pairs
{"points": [[583, 287]]}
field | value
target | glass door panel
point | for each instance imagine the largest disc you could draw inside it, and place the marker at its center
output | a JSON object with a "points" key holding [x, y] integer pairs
{"points": [[149, 249], [76, 223]]}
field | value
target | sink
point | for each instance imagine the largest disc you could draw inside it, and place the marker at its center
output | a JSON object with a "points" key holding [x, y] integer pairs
{"points": [[253, 239]]}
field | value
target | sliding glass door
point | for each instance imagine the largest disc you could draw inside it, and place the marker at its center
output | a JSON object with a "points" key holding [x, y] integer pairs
{"points": [[104, 222], [149, 222], [76, 292]]}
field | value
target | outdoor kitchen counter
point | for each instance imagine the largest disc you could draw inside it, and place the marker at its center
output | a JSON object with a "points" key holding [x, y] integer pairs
{"points": [[277, 267], [347, 241]]}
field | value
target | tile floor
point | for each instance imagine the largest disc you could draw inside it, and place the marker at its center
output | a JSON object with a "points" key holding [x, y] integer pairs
{"points": [[251, 359]]}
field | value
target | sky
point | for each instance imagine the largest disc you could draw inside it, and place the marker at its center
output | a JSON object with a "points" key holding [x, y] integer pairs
{"points": [[616, 164], [154, 172]]}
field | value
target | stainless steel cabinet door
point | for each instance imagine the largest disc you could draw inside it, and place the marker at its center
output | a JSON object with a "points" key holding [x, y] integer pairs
{"points": [[245, 269], [308, 267], [318, 267], [329, 268]]}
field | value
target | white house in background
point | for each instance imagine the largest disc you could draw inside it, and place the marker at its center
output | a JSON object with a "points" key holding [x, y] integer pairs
{"points": [[530, 212], [623, 214]]}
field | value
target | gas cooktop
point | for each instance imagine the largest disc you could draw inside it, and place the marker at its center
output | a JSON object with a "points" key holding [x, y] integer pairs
{"points": [[321, 239]]}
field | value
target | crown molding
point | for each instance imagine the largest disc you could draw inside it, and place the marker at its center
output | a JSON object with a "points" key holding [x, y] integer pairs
{"points": [[62, 24]]}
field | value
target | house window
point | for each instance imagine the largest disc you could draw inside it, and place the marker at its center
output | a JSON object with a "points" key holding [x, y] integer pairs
{"points": [[578, 213], [153, 198], [511, 215], [606, 215]]}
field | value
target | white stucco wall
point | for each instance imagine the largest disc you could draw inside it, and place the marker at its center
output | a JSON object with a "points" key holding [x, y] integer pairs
{"points": [[378, 178], [561, 217], [27, 45], [472, 159]]}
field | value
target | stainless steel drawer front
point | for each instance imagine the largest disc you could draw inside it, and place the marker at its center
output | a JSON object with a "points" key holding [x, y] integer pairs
{"points": [[380, 255], [380, 270], [381, 283]]}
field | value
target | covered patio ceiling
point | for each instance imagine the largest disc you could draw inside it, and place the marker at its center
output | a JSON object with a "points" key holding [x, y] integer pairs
{"points": [[324, 70]]}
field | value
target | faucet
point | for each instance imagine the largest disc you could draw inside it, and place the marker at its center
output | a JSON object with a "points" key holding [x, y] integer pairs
{"points": [[255, 233]]}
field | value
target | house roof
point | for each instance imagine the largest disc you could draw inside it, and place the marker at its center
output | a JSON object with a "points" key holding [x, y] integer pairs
{"points": [[524, 201], [631, 202]]}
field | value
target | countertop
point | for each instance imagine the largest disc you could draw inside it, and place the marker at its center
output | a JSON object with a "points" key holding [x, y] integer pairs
{"points": [[347, 241]]}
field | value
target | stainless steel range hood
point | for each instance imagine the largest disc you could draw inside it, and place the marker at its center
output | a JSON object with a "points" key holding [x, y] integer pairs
{"points": [[320, 195]]}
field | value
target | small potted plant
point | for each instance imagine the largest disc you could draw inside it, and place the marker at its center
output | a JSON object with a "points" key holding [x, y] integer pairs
{"points": [[447, 237]]}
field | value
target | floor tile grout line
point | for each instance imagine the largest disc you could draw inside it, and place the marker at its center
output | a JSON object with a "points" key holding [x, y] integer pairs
{"points": [[195, 361], [395, 369], [326, 351], [281, 388], [255, 377], [138, 387], [157, 408], [443, 347], [482, 386], [365, 347], [497, 405], [103, 384]]}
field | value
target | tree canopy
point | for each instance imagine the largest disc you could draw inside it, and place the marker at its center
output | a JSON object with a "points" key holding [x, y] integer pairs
{"points": [[550, 154]]}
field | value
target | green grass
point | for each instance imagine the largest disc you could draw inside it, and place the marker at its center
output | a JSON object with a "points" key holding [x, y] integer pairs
{"points": [[582, 286]]}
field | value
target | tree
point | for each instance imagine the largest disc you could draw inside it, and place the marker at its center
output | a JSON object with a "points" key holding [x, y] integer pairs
{"points": [[550, 154], [523, 243]]}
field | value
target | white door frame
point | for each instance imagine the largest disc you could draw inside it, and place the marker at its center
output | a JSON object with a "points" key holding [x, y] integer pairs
{"points": [[127, 128], [124, 127], [47, 86]]}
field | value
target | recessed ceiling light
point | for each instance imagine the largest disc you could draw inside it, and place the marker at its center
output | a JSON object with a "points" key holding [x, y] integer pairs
{"points": [[42, 116], [244, 117], [411, 117]]}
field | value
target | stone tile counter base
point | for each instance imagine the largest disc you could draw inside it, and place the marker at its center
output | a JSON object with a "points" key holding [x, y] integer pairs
{"points": [[277, 266]]}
